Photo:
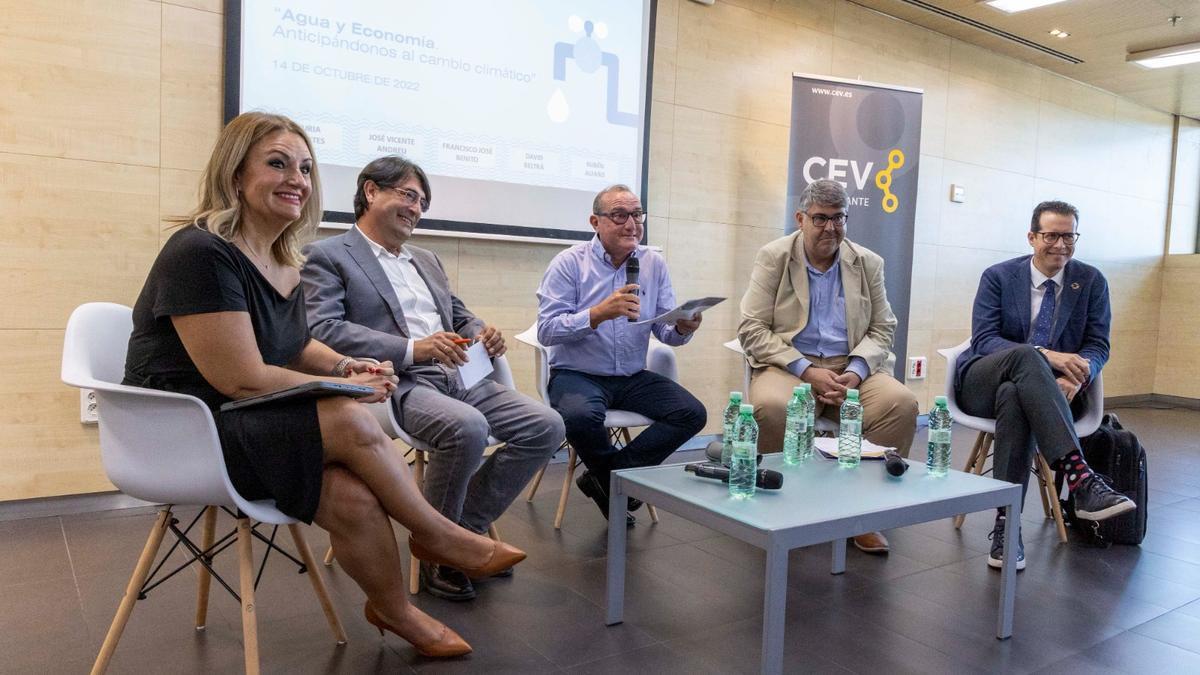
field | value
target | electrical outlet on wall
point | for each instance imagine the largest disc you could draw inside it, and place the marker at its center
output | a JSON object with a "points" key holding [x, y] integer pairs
{"points": [[89, 410], [916, 368]]}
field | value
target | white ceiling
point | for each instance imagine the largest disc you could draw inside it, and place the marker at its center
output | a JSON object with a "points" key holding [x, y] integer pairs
{"points": [[1102, 33]]}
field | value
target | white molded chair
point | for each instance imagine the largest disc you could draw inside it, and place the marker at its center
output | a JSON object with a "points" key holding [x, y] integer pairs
{"points": [[824, 424], [162, 447], [659, 359], [982, 449], [385, 414]]}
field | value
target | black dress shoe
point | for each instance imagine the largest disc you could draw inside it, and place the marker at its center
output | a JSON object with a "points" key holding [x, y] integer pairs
{"points": [[590, 486], [446, 583]]}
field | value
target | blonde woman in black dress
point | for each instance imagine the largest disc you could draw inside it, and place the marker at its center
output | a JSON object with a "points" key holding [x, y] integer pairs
{"points": [[221, 317]]}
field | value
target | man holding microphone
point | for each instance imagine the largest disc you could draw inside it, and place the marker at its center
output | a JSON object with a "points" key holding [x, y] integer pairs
{"points": [[587, 303]]}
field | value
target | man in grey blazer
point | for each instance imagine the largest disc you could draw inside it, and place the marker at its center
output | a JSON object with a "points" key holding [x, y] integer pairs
{"points": [[369, 293]]}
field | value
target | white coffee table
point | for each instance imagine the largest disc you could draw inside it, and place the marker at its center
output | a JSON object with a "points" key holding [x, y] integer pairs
{"points": [[819, 502]]}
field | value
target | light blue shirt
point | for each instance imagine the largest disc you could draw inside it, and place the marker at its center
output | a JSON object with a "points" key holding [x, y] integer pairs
{"points": [[825, 333], [580, 278]]}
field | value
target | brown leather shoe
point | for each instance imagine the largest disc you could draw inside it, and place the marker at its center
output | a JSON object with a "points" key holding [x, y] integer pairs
{"points": [[449, 644], [872, 542], [503, 556]]}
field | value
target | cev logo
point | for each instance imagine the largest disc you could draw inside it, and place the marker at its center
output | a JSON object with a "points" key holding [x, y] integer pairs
{"points": [[883, 181], [836, 170]]}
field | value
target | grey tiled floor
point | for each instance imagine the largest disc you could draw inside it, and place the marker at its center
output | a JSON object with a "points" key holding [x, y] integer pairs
{"points": [[693, 597]]}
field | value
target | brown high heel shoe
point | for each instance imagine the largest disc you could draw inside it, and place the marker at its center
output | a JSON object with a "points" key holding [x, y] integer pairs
{"points": [[503, 557], [448, 644]]}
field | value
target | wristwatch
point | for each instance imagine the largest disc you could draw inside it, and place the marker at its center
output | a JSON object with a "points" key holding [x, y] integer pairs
{"points": [[1041, 350]]}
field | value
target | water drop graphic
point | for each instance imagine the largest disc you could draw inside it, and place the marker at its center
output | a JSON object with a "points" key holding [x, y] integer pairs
{"points": [[557, 108]]}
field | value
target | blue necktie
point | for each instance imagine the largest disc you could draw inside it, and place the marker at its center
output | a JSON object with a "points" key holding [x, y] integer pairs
{"points": [[1045, 317]]}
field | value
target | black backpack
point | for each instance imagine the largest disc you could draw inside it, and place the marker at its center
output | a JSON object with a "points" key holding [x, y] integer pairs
{"points": [[1115, 454]]}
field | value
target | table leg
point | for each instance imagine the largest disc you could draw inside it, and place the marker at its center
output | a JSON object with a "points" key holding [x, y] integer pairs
{"points": [[1008, 573], [616, 553], [774, 606], [839, 556]]}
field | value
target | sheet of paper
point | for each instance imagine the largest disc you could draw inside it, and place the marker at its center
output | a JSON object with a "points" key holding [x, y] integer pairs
{"points": [[687, 310], [477, 367], [829, 448]]}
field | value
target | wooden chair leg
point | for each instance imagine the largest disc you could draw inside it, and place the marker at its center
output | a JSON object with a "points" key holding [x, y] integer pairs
{"points": [[626, 439], [1046, 478], [985, 451], [493, 532], [414, 574], [329, 557], [419, 468], [653, 513], [205, 581], [566, 489], [140, 571], [318, 584], [249, 617], [537, 480], [974, 465], [1042, 488], [414, 564]]}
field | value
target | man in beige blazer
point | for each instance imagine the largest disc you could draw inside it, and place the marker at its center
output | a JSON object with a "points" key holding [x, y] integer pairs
{"points": [[817, 312]]}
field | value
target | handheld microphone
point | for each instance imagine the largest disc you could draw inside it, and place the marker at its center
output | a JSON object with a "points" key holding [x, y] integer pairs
{"points": [[763, 478], [632, 267], [896, 465]]}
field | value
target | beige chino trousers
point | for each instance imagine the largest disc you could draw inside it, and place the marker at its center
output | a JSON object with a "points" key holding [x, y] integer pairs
{"points": [[889, 407]]}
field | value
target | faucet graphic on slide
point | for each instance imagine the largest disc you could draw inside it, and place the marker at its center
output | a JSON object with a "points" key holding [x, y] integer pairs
{"points": [[588, 57]]}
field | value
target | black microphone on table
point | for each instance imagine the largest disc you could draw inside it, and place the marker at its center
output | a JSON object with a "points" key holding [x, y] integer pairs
{"points": [[632, 267], [895, 464], [763, 478]]}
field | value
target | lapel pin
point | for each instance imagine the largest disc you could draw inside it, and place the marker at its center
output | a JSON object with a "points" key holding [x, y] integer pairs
{"points": [[1075, 286]]}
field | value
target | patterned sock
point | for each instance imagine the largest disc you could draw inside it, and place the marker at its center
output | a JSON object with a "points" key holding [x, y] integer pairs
{"points": [[1075, 468]]}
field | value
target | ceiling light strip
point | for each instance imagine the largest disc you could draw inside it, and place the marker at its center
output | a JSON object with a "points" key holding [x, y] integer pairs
{"points": [[993, 30]]}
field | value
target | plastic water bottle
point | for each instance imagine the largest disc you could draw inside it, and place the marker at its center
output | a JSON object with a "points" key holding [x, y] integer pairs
{"points": [[744, 461], [938, 459], [810, 403], [730, 419], [850, 435], [795, 428]]}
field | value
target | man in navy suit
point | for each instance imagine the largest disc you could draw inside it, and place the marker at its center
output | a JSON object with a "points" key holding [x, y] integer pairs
{"points": [[1039, 337]]}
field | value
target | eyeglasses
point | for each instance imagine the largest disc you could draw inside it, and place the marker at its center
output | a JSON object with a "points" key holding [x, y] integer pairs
{"points": [[821, 220], [622, 217], [409, 197], [1068, 238]]}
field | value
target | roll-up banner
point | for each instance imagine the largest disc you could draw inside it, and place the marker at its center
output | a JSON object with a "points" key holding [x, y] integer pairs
{"points": [[866, 136]]}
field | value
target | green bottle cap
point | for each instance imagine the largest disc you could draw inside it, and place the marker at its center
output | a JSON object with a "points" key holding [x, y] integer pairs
{"points": [[807, 387], [735, 396], [940, 401], [746, 409], [851, 394], [798, 389]]}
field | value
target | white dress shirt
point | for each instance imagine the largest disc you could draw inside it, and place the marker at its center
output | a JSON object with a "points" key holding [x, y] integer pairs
{"points": [[416, 301], [1037, 292]]}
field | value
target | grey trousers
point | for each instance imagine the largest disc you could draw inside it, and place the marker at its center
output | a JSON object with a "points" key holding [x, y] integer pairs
{"points": [[1017, 388], [457, 423]]}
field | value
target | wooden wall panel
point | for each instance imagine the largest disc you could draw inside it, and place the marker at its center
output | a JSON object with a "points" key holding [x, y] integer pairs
{"points": [[192, 59], [43, 448], [73, 231], [80, 80]]}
